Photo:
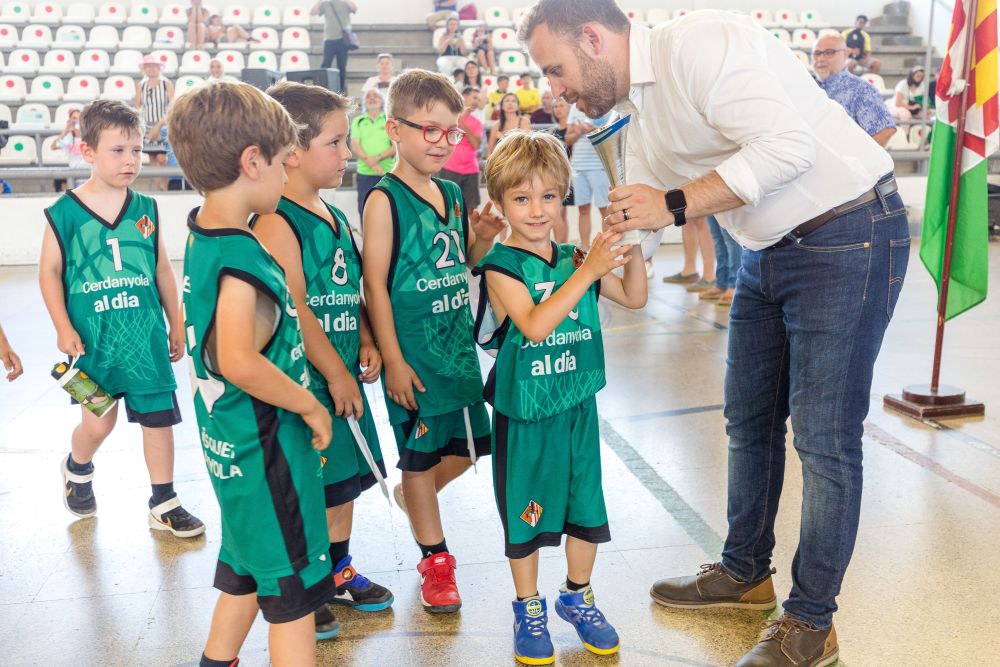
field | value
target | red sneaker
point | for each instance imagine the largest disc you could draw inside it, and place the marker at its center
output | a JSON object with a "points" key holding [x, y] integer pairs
{"points": [[438, 590]]}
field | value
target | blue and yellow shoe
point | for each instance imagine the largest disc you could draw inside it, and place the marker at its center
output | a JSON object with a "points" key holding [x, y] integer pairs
{"points": [[358, 591], [578, 609], [532, 644]]}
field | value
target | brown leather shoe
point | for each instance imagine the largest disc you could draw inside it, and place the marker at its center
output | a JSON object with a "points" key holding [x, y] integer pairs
{"points": [[789, 642], [713, 587]]}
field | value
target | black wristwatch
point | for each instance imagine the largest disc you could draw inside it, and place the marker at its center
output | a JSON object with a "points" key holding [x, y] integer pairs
{"points": [[677, 204]]}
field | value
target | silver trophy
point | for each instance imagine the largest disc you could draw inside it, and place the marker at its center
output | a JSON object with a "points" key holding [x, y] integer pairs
{"points": [[609, 142]]}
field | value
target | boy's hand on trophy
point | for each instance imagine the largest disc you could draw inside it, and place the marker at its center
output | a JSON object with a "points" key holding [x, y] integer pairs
{"points": [[604, 257], [637, 207]]}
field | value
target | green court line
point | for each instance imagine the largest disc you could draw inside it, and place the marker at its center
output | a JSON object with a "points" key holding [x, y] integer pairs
{"points": [[689, 519]]}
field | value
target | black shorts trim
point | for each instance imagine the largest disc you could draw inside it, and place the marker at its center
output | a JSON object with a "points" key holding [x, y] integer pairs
{"points": [[351, 488], [156, 419], [413, 461], [294, 602], [593, 535]]}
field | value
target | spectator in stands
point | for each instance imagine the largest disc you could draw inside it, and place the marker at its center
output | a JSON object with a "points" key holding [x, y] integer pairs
{"points": [[371, 145], [217, 33], [458, 78], [562, 131], [68, 142], [908, 97], [861, 100], [451, 48], [545, 115], [528, 96], [474, 77], [443, 9], [386, 73], [197, 30], [859, 47], [590, 181], [482, 47], [216, 73], [152, 98], [509, 120], [493, 106], [462, 167], [336, 19]]}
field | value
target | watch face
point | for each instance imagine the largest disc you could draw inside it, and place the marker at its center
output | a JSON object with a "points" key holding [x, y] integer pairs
{"points": [[676, 200]]}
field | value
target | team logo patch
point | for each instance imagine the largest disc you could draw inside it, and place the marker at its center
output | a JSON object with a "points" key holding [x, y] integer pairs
{"points": [[533, 608], [588, 596], [458, 209], [344, 576], [145, 226], [532, 514], [322, 461], [578, 256], [421, 428]]}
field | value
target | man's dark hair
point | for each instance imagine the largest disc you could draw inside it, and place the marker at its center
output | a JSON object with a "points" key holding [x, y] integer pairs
{"points": [[503, 77], [565, 17], [862, 17]]}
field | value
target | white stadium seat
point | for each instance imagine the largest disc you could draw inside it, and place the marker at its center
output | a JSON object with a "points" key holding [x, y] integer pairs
{"points": [[266, 15], [111, 13], [62, 114], [518, 15], [763, 17], [803, 38], [295, 38], [656, 16], [786, 18], [23, 61], [58, 61], [232, 61], [916, 132], [36, 37], [5, 113], [143, 13], [497, 17], [186, 83], [899, 141], [875, 80], [681, 12], [194, 62], [262, 60], [81, 13], [634, 15], [504, 39], [127, 61], [12, 89], [267, 38], [169, 37], [119, 87], [94, 61], [169, 60], [53, 157], [103, 37], [17, 13], [297, 15], [803, 58], [512, 62], [82, 88], [811, 19], [20, 150], [47, 13], [8, 36], [782, 35], [136, 37], [294, 61], [70, 37], [173, 14], [33, 116], [45, 88], [235, 15]]}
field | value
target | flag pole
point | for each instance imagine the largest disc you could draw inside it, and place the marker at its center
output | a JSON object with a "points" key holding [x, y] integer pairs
{"points": [[956, 173], [934, 400]]}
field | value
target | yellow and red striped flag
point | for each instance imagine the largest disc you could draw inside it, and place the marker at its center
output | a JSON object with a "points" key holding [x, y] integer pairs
{"points": [[968, 277]]}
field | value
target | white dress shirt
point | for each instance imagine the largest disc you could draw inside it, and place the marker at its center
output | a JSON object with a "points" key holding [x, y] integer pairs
{"points": [[713, 90]]}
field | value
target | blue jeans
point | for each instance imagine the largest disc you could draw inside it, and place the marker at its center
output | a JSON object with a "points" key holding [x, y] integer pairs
{"points": [[806, 325], [364, 184], [727, 255]]}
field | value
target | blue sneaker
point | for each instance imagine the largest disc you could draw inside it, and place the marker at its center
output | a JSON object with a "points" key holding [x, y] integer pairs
{"points": [[532, 644], [327, 625], [578, 609], [356, 590]]}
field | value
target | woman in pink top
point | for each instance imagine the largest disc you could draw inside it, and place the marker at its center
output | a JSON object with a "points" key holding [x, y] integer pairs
{"points": [[463, 166]]}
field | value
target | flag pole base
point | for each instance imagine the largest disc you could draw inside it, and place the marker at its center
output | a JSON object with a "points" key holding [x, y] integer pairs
{"points": [[920, 402]]}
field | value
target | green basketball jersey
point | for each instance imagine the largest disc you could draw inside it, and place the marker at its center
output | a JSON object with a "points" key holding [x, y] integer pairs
{"points": [[266, 475], [429, 290], [534, 381], [331, 265], [109, 280]]}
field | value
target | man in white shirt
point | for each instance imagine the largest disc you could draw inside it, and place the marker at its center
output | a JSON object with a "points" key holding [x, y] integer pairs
{"points": [[726, 121]]}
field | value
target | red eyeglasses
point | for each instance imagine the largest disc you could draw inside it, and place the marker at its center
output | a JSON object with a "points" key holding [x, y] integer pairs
{"points": [[433, 133]]}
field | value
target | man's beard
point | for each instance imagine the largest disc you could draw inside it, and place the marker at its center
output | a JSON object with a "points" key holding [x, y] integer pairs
{"points": [[599, 95]]}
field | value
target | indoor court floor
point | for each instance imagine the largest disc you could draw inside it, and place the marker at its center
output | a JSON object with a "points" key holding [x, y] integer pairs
{"points": [[921, 590]]}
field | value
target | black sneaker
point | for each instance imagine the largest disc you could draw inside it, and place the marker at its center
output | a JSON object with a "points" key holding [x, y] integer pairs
{"points": [[327, 625], [78, 491], [169, 515], [356, 590]]}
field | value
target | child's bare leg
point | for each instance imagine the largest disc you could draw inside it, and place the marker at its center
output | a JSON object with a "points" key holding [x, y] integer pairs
{"points": [[293, 644], [158, 448], [340, 522], [234, 614], [580, 558], [90, 434], [420, 491], [450, 468], [525, 573]]}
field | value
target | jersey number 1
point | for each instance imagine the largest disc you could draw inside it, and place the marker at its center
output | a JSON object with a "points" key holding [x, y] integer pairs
{"points": [[116, 253]]}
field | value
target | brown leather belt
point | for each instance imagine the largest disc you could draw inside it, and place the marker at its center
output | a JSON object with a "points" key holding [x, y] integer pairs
{"points": [[884, 188]]}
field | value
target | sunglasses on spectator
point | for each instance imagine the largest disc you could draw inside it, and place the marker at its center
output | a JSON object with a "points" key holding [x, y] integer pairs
{"points": [[827, 53], [433, 133]]}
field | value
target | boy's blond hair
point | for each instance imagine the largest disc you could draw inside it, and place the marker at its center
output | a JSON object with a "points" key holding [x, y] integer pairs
{"points": [[519, 156], [309, 106], [419, 89], [211, 126], [102, 115]]}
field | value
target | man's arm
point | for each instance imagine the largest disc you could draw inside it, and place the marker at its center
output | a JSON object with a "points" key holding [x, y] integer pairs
{"points": [[882, 137]]}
